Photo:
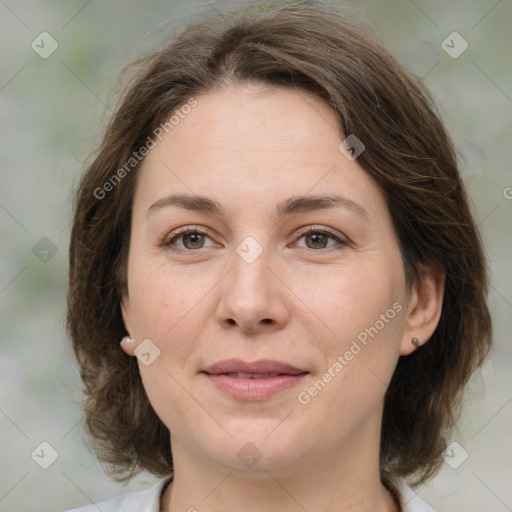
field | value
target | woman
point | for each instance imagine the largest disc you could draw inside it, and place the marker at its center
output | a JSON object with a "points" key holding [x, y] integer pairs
{"points": [[276, 229]]}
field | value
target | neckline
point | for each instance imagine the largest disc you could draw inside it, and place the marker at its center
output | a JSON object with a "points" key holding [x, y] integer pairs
{"points": [[392, 486]]}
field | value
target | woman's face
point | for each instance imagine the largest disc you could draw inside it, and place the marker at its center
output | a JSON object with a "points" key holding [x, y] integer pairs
{"points": [[248, 168]]}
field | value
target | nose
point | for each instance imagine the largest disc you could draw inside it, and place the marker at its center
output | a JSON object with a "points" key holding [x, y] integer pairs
{"points": [[253, 296]]}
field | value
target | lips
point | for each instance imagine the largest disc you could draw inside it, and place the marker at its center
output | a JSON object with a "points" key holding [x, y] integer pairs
{"points": [[263, 367], [258, 380]]}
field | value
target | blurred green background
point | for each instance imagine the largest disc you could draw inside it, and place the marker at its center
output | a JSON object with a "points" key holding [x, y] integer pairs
{"points": [[52, 112]]}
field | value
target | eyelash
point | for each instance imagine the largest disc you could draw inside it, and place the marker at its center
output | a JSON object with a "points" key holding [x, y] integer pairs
{"points": [[168, 245]]}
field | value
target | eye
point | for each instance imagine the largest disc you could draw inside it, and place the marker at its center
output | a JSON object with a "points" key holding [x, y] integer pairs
{"points": [[192, 238], [318, 238]]}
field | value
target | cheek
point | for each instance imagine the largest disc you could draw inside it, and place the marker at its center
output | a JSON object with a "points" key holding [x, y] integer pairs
{"points": [[158, 297], [163, 311], [362, 314], [350, 298], [171, 306], [157, 311]]}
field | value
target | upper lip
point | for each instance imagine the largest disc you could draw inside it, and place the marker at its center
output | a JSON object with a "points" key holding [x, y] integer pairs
{"points": [[261, 366]]}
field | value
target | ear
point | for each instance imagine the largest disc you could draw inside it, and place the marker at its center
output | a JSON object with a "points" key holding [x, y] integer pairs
{"points": [[424, 310], [128, 348]]}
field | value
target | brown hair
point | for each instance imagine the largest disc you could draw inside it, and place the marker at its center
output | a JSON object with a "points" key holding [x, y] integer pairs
{"points": [[408, 155]]}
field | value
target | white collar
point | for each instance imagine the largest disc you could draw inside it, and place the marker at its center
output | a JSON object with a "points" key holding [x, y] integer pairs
{"points": [[148, 500]]}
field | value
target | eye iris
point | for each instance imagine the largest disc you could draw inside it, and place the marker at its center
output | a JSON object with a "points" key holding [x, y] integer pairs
{"points": [[316, 242], [194, 238]]}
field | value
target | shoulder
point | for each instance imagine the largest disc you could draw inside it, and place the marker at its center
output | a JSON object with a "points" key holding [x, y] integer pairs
{"points": [[147, 500], [411, 502]]}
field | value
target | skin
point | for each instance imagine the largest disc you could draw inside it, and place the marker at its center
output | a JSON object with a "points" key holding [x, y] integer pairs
{"points": [[302, 301]]}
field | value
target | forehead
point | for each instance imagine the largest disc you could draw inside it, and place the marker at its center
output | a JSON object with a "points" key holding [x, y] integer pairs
{"points": [[253, 142]]}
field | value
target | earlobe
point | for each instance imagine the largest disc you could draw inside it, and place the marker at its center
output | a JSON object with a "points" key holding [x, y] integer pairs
{"points": [[424, 311], [128, 345]]}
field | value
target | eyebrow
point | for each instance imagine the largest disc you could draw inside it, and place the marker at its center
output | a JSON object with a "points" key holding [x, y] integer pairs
{"points": [[290, 206]]}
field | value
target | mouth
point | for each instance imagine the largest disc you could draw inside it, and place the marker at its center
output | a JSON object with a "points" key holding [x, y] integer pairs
{"points": [[240, 375], [254, 381]]}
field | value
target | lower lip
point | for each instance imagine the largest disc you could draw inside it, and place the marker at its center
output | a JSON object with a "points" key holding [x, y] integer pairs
{"points": [[254, 389]]}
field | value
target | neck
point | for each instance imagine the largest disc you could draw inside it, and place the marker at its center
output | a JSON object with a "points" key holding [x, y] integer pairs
{"points": [[334, 481]]}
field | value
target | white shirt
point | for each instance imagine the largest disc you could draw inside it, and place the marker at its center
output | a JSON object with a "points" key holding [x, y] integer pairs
{"points": [[149, 501]]}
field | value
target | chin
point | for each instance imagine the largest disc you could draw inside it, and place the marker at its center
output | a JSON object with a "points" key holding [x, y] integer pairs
{"points": [[249, 453]]}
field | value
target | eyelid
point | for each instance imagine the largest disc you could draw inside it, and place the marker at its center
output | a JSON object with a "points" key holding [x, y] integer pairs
{"points": [[318, 228]]}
